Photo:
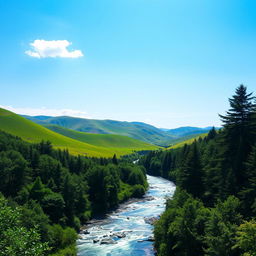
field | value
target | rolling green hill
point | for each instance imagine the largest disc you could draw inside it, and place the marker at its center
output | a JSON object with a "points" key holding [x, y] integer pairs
{"points": [[103, 140], [136, 130], [188, 141], [32, 132]]}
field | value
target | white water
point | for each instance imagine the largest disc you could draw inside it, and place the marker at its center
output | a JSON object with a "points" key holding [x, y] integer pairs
{"points": [[130, 220]]}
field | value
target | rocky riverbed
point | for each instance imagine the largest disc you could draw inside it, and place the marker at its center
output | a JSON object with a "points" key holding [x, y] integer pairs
{"points": [[128, 230]]}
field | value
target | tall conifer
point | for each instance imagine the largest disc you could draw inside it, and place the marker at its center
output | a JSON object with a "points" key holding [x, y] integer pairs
{"points": [[238, 136]]}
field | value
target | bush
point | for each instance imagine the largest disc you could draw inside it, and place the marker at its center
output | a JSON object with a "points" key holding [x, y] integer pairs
{"points": [[138, 191], [62, 238], [69, 251]]}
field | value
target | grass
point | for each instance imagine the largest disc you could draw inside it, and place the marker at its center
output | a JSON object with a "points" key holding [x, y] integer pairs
{"points": [[135, 130], [32, 132], [103, 140], [188, 141]]}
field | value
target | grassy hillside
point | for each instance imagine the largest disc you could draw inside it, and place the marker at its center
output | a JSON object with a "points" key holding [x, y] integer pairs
{"points": [[188, 141], [136, 130], [103, 140], [32, 132]]}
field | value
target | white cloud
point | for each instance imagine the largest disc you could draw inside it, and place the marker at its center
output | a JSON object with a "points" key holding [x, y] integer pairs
{"points": [[47, 112], [52, 49]]}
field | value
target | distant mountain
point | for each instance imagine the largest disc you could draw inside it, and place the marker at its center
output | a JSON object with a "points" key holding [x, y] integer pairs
{"points": [[137, 130], [188, 131]]}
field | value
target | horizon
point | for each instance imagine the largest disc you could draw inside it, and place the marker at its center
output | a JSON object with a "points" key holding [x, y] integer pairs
{"points": [[165, 63], [106, 119]]}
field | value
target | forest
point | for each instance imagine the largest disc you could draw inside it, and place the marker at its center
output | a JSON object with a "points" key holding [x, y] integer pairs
{"points": [[46, 195], [213, 209]]}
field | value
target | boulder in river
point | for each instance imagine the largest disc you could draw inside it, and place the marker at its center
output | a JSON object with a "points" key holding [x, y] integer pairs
{"points": [[150, 239], [149, 198], [107, 241], [151, 220], [119, 235]]}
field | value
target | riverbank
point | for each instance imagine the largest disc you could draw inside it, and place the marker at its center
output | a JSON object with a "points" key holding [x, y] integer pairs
{"points": [[127, 230]]}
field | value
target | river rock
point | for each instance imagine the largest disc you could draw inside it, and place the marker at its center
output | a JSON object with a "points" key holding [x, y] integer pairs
{"points": [[151, 220], [149, 198], [150, 239], [86, 232], [107, 241], [119, 235], [95, 240]]}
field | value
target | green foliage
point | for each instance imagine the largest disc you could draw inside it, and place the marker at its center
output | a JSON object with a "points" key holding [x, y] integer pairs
{"points": [[62, 238], [69, 251], [104, 187], [58, 192], [181, 228], [14, 172], [138, 190], [190, 173], [221, 228], [126, 191], [15, 239], [246, 237], [218, 170], [238, 137], [248, 193]]}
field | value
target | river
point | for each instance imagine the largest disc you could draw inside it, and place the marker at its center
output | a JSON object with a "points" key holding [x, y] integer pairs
{"points": [[127, 231]]}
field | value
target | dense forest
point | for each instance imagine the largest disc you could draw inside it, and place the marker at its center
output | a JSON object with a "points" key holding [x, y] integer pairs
{"points": [[47, 194], [213, 209]]}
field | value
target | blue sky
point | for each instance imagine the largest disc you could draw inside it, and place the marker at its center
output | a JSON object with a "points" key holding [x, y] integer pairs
{"points": [[169, 63]]}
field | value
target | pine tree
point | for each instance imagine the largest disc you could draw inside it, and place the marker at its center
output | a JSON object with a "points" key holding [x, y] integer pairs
{"points": [[166, 164], [191, 175], [211, 135], [238, 136], [248, 193], [114, 160]]}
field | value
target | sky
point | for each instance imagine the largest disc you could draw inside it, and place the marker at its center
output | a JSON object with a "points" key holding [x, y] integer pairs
{"points": [[169, 63]]}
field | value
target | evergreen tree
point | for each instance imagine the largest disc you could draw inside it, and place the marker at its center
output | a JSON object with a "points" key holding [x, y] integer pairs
{"points": [[221, 228], [238, 136], [190, 175], [248, 193], [246, 237], [211, 134], [166, 164], [114, 160]]}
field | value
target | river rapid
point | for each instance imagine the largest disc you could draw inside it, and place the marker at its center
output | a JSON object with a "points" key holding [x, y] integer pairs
{"points": [[128, 230]]}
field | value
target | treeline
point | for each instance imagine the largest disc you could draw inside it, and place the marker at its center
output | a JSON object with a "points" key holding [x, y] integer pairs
{"points": [[47, 194], [213, 210]]}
